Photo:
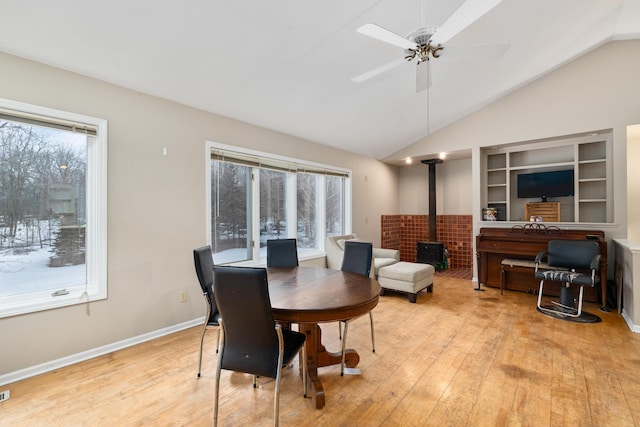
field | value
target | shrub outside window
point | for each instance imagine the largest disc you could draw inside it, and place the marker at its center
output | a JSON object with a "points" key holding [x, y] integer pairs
{"points": [[52, 208]]}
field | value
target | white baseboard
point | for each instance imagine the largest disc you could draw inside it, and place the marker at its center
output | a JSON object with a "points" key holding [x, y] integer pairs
{"points": [[42, 368], [634, 328]]}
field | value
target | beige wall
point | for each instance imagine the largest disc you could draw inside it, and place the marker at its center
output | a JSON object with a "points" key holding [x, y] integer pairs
{"points": [[628, 249], [633, 182], [453, 188], [156, 213]]}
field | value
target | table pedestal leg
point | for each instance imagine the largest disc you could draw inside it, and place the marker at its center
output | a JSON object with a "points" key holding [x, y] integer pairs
{"points": [[318, 356]]}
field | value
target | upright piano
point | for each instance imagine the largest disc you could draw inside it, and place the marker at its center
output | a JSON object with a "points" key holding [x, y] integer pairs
{"points": [[524, 242]]}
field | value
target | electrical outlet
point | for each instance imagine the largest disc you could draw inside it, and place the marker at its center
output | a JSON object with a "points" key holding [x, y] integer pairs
{"points": [[4, 395], [184, 296]]}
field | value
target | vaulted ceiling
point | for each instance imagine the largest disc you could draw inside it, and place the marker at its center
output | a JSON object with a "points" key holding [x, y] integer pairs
{"points": [[287, 65]]}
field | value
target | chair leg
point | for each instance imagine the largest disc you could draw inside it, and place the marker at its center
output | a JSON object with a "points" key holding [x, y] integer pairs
{"points": [[373, 341], [276, 398], [344, 340], [218, 341], [540, 295], [204, 329], [217, 388], [304, 370], [580, 302], [340, 330]]}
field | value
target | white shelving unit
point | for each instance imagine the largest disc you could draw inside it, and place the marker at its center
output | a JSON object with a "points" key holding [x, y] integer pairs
{"points": [[587, 155], [497, 184]]}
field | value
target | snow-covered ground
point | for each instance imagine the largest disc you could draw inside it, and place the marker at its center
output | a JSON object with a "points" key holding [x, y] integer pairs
{"points": [[25, 273]]}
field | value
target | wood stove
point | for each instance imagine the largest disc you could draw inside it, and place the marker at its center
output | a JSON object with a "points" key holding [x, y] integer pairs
{"points": [[430, 253]]}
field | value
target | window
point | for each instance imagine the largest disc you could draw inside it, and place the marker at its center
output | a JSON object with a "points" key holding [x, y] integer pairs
{"points": [[255, 197], [52, 208], [230, 218]]}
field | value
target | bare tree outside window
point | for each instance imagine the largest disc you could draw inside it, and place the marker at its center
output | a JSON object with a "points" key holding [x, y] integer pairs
{"points": [[230, 207], [307, 196], [42, 208], [273, 213], [335, 205]]}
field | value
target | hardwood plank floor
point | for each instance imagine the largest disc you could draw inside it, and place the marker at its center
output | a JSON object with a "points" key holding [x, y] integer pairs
{"points": [[457, 357]]}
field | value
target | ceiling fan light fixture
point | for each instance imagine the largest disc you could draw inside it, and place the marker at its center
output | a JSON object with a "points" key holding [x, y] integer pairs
{"points": [[424, 49]]}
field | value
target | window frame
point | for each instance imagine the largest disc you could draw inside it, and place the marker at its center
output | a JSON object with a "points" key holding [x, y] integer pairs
{"points": [[96, 243], [319, 251]]}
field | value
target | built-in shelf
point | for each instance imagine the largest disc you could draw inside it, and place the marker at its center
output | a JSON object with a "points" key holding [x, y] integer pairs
{"points": [[547, 165], [587, 155]]}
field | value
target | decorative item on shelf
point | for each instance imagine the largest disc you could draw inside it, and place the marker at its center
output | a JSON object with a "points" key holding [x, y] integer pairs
{"points": [[489, 214], [535, 218]]}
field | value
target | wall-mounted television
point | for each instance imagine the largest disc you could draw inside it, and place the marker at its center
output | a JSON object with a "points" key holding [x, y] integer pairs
{"points": [[545, 184]]}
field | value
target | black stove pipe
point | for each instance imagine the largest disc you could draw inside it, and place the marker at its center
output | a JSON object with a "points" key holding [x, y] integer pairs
{"points": [[432, 197]]}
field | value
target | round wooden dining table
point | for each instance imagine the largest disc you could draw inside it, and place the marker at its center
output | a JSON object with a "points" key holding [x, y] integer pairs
{"points": [[312, 295]]}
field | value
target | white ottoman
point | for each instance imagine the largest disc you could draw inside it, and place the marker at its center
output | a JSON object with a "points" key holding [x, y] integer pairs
{"points": [[407, 277]]}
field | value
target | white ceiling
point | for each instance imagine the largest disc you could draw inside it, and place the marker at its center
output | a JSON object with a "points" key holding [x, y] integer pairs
{"points": [[286, 65]]}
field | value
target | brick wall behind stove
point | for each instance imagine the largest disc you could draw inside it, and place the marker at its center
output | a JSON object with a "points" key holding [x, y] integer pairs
{"points": [[403, 232]]}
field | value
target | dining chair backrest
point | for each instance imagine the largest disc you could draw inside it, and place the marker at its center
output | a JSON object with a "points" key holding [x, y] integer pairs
{"points": [[250, 341], [282, 253], [357, 257], [204, 270]]}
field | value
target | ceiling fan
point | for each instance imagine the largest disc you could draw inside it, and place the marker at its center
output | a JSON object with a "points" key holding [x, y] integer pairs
{"points": [[428, 42]]}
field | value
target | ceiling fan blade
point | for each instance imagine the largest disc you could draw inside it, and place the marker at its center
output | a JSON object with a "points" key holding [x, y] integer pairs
{"points": [[382, 34], [379, 70], [484, 51], [423, 76], [468, 13]]}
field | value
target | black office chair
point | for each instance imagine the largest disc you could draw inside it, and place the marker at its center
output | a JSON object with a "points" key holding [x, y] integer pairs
{"points": [[282, 253], [204, 269], [571, 262], [358, 257], [252, 342]]}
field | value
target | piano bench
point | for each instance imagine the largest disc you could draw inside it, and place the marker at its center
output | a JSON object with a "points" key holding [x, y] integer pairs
{"points": [[518, 266]]}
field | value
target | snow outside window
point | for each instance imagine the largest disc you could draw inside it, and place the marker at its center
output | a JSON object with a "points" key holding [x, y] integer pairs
{"points": [[52, 208]]}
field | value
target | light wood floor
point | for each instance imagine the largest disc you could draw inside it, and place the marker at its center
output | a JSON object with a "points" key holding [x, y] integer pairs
{"points": [[457, 357]]}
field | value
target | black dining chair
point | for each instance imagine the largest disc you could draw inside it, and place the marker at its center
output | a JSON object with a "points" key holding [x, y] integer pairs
{"points": [[358, 257], [203, 260], [252, 342], [282, 253]]}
